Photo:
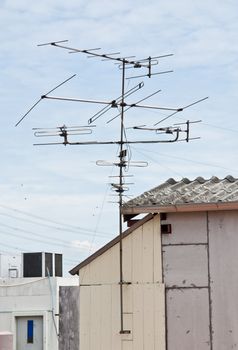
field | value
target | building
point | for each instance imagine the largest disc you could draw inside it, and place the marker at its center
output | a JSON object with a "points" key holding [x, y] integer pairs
{"points": [[35, 303], [180, 271]]}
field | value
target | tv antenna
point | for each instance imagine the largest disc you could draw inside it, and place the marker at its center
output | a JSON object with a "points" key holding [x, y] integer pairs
{"points": [[170, 133]]}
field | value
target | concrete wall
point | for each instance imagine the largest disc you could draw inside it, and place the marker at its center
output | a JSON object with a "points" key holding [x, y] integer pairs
{"points": [[32, 297], [69, 318], [143, 298], [10, 265], [6, 341]]}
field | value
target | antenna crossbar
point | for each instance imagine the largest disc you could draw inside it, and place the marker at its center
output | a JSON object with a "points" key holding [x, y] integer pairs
{"points": [[108, 56], [122, 163], [111, 103], [149, 74], [143, 99], [44, 96], [114, 103], [181, 109]]}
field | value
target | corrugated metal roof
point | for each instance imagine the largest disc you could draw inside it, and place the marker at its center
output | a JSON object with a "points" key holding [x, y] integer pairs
{"points": [[198, 191]]}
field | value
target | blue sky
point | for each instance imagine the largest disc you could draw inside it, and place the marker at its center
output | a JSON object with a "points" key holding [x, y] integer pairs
{"points": [[57, 194]]}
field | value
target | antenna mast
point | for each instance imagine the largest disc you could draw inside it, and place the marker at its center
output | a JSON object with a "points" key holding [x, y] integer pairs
{"points": [[65, 132], [121, 157]]}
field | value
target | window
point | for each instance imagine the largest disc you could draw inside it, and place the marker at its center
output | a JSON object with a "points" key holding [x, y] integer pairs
{"points": [[30, 325]]}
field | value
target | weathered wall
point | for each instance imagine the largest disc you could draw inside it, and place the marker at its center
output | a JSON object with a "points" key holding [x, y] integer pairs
{"points": [[223, 243], [200, 267], [185, 272], [199, 285], [69, 318], [143, 298]]}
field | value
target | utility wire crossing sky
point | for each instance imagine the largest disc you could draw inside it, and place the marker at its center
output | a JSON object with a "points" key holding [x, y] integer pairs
{"points": [[63, 184]]}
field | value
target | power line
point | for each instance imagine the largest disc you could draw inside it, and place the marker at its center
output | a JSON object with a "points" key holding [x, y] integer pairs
{"points": [[55, 228], [66, 227], [203, 123], [10, 246], [139, 150], [185, 159], [99, 218], [220, 127], [32, 233], [67, 261], [55, 243]]}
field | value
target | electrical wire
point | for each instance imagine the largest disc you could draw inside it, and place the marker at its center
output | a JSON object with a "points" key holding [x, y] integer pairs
{"points": [[69, 246], [101, 210], [33, 233], [53, 227], [10, 246], [220, 127], [67, 261], [67, 227], [203, 123], [70, 261], [185, 159], [99, 218], [156, 161]]}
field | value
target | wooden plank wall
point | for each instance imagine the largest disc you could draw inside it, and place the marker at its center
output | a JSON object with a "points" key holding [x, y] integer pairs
{"points": [[143, 298]]}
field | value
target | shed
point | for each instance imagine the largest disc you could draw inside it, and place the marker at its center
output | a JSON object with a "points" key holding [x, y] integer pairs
{"points": [[180, 262]]}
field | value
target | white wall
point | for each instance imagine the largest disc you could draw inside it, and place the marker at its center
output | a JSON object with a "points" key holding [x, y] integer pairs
{"points": [[32, 297], [8, 263]]}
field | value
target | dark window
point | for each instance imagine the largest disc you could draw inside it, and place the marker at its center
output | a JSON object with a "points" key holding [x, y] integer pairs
{"points": [[163, 216], [30, 326], [32, 265], [48, 264], [166, 228], [58, 265]]}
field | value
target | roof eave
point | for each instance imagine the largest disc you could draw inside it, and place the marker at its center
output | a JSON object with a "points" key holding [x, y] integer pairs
{"points": [[114, 241], [189, 207]]}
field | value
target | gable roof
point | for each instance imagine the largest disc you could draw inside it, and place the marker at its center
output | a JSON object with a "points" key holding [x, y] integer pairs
{"points": [[116, 240], [172, 195]]}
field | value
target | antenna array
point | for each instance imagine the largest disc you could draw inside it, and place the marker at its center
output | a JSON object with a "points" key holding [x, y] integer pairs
{"points": [[124, 162]]}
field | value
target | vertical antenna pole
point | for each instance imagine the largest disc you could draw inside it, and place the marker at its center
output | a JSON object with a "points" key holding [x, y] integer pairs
{"points": [[121, 192], [187, 123], [149, 67]]}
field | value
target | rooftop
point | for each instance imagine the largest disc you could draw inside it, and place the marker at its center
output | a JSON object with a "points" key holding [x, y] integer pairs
{"points": [[187, 192], [184, 195]]}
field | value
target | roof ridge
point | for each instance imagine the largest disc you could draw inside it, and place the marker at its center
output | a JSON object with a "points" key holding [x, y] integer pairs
{"points": [[215, 179], [171, 181], [186, 180], [200, 179], [199, 190], [230, 178]]}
